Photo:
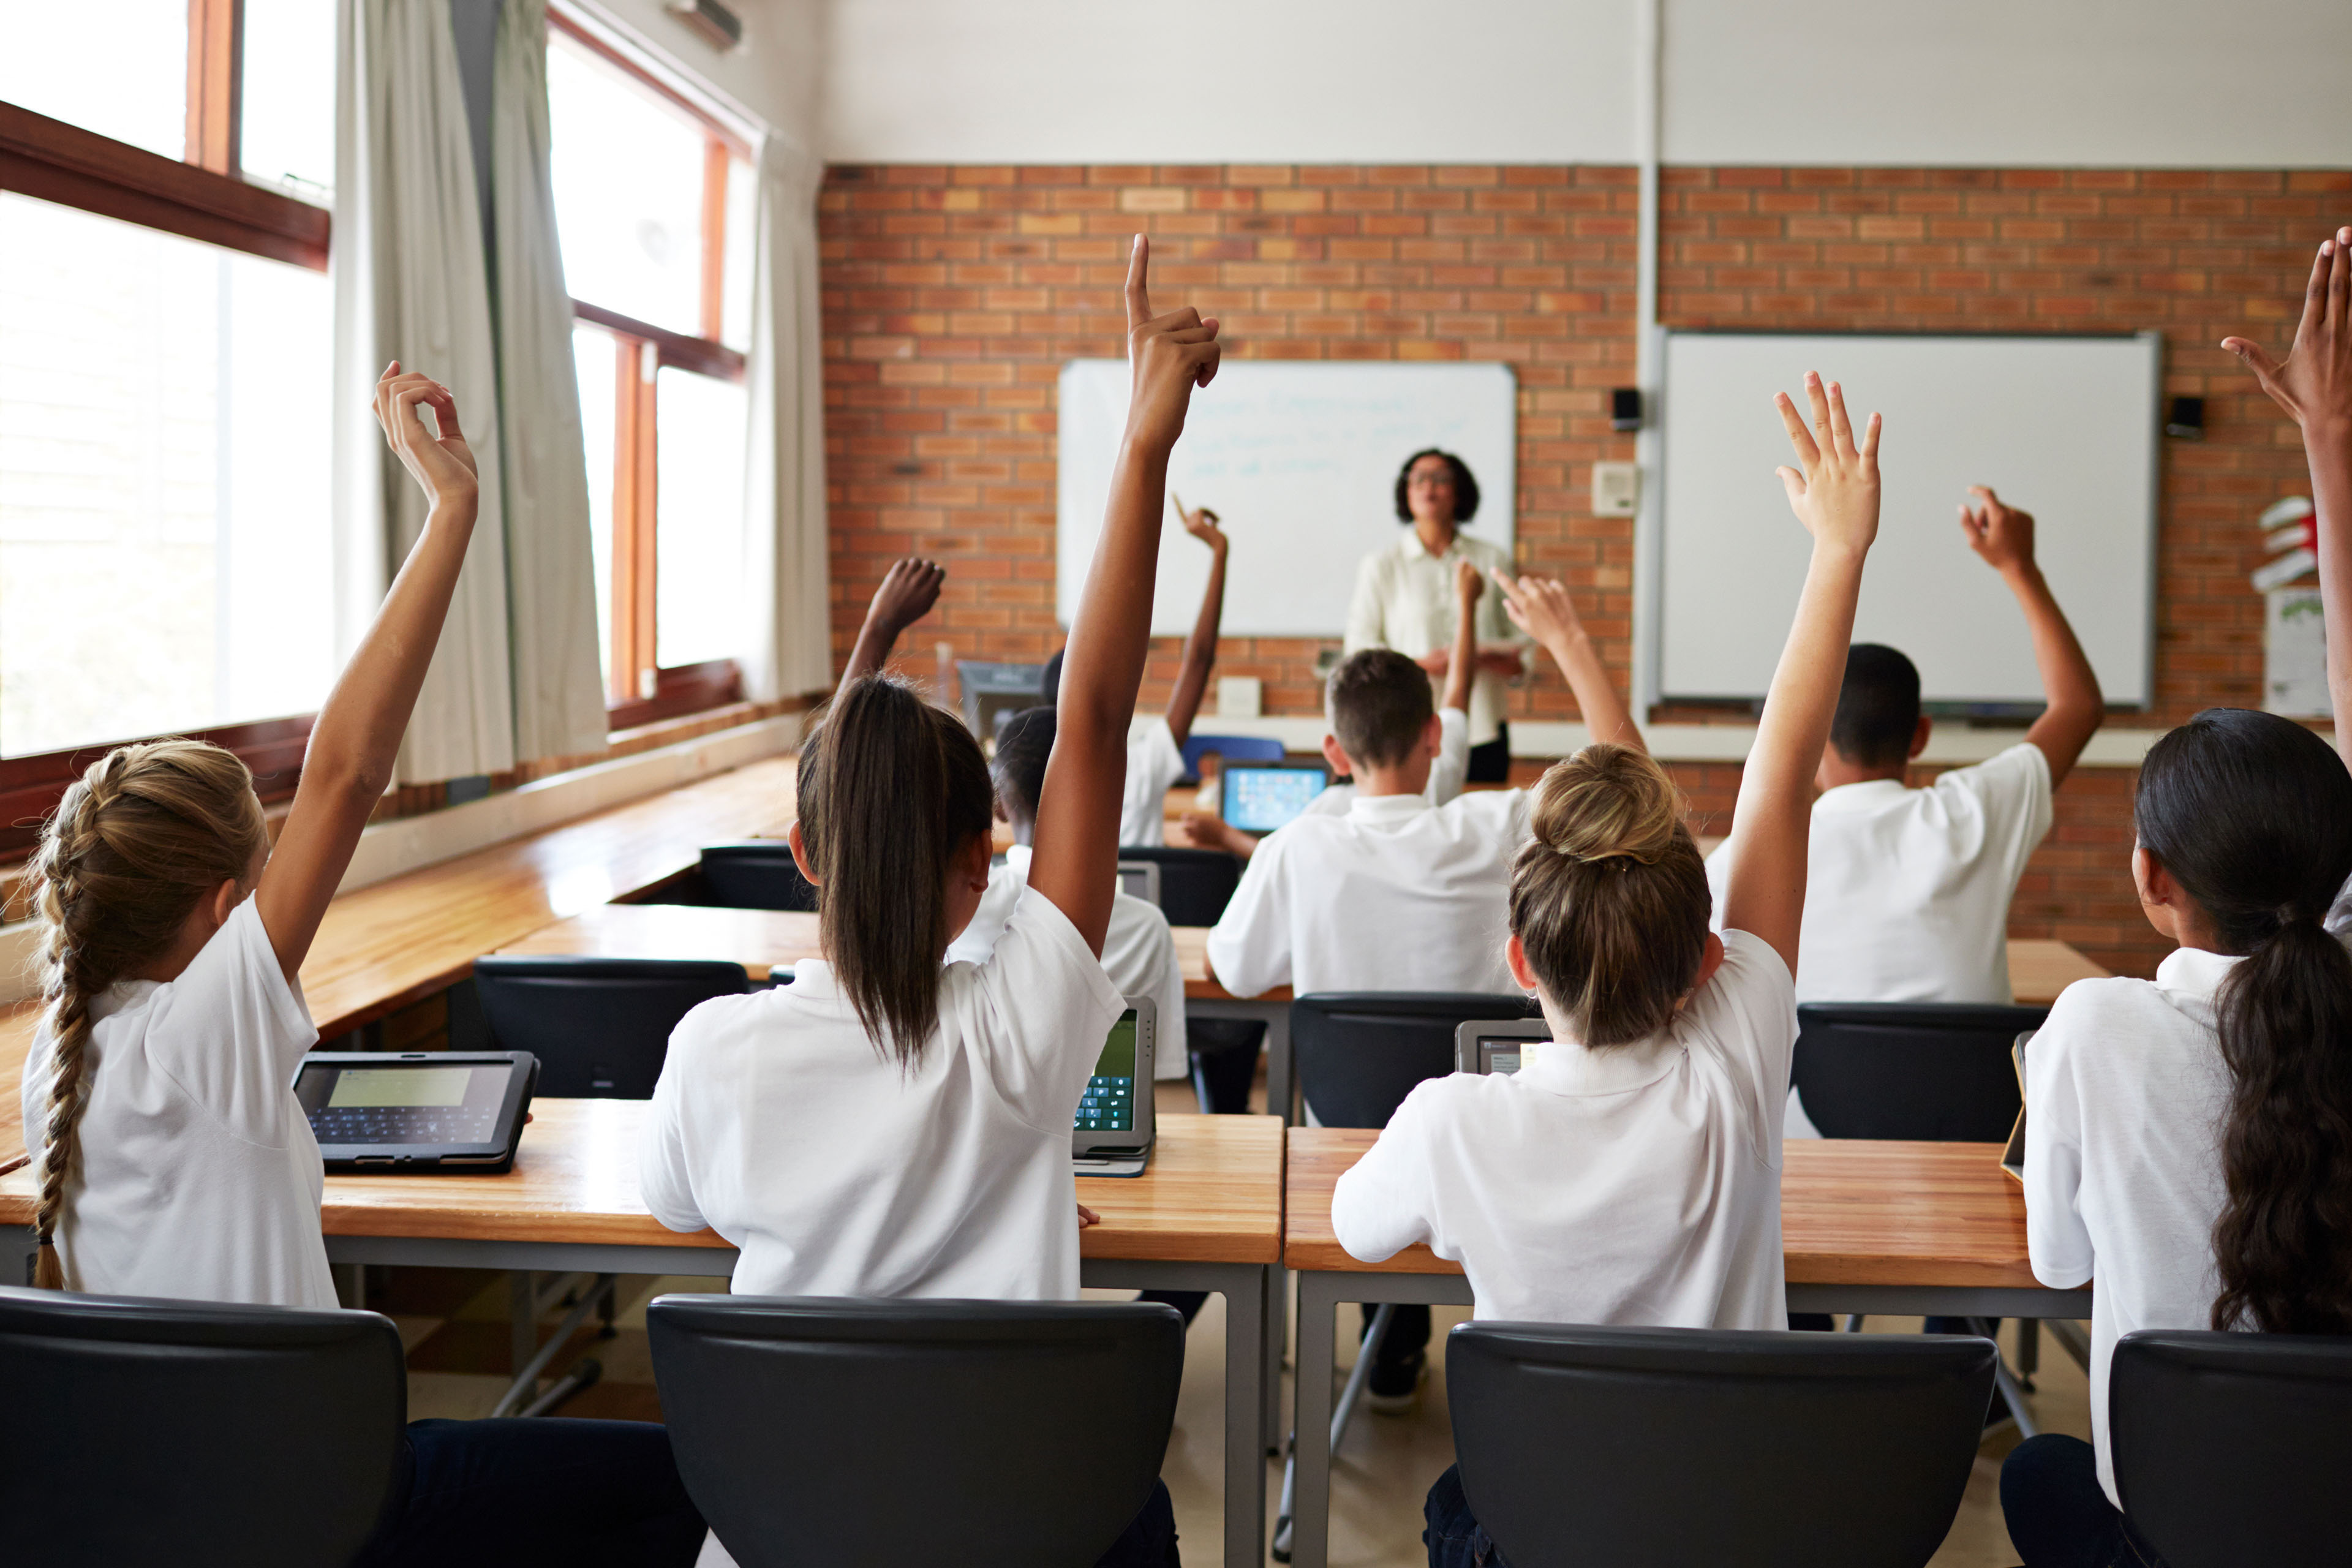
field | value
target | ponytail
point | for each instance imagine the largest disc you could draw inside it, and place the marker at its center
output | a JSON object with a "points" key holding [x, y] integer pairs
{"points": [[2251, 816], [137, 841], [891, 789]]}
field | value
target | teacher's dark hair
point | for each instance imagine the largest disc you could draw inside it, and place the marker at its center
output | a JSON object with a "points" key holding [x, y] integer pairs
{"points": [[890, 789], [1465, 485], [2251, 815]]}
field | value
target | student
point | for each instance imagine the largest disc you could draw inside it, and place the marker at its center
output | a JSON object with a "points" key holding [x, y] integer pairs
{"points": [[172, 1157], [1910, 887], [890, 1124], [1155, 759], [2184, 1138], [1630, 1172]]}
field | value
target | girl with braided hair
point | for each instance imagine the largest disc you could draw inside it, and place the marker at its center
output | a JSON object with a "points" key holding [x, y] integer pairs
{"points": [[174, 1159]]}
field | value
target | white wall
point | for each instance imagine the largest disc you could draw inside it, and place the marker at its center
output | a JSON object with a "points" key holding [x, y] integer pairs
{"points": [[775, 74], [2057, 82]]}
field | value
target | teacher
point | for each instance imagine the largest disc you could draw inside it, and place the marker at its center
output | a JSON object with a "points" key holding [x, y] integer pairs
{"points": [[1404, 599]]}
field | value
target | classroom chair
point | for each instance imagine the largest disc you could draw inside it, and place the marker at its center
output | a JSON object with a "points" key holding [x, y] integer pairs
{"points": [[2232, 1448], [756, 874], [905, 1434], [1139, 880], [1195, 885], [144, 1432], [1937, 1071], [1233, 748], [599, 1026], [1611, 1447]]}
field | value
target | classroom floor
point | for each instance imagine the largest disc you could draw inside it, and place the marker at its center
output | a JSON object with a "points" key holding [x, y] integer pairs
{"points": [[454, 1323]]}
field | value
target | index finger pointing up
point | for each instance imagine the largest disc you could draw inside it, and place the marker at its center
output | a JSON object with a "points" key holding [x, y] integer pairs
{"points": [[1138, 297]]}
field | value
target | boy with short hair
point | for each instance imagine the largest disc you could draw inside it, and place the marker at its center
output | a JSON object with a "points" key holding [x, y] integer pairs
{"points": [[1908, 889]]}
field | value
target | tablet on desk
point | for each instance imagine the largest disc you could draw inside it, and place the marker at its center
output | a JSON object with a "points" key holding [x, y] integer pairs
{"points": [[1113, 1132], [417, 1111], [1258, 797], [1495, 1045]]}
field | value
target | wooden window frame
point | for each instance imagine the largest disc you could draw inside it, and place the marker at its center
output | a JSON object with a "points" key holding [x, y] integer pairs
{"points": [[31, 786], [638, 689]]}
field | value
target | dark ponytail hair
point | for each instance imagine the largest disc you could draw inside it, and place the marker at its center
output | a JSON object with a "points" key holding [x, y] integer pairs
{"points": [[2251, 815], [890, 789]]}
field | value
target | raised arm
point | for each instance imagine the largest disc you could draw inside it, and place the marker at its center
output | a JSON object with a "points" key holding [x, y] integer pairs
{"points": [[2003, 537], [908, 591], [1462, 661], [1834, 493], [1540, 606], [348, 766], [2314, 385], [1076, 855], [1201, 648]]}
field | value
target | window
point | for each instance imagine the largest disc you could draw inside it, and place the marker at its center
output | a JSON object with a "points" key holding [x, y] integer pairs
{"points": [[165, 354], [652, 203]]}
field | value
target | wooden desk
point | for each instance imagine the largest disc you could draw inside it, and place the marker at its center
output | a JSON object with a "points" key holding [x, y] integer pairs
{"points": [[2040, 968], [1891, 1228], [1207, 1215]]}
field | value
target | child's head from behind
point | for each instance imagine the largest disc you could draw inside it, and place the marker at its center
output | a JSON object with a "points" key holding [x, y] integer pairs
{"points": [[150, 838], [1877, 721], [1023, 747], [894, 831], [1609, 899], [2244, 822], [1380, 710]]}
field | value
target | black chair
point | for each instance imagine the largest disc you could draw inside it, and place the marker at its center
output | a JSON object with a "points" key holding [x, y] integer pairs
{"points": [[2232, 1448], [1935, 1071], [1635, 1447], [757, 874], [1358, 1053], [1195, 885], [192, 1434], [985, 1433], [600, 1027]]}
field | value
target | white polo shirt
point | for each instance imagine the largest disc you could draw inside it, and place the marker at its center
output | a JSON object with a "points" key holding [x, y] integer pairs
{"points": [[1404, 599], [1448, 771], [1139, 951], [781, 1125], [1633, 1184], [2125, 1094], [197, 1175], [1397, 894], [1908, 890], [1154, 763]]}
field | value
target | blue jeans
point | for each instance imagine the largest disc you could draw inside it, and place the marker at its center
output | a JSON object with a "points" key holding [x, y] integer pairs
{"points": [[2057, 1514], [1453, 1536], [515, 1494]]}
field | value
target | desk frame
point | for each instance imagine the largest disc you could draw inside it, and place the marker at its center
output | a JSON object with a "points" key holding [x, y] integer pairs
{"points": [[1320, 1292]]}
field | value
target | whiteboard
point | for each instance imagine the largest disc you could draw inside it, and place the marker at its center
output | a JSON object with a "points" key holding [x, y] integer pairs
{"points": [[1299, 460], [2065, 428]]}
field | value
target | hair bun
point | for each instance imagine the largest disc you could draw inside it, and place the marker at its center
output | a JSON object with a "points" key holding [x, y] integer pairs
{"points": [[1608, 802]]}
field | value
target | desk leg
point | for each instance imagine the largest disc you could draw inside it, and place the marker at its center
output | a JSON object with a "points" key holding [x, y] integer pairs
{"points": [[1277, 1343], [523, 1319], [1245, 1332], [1310, 1506], [1281, 1084]]}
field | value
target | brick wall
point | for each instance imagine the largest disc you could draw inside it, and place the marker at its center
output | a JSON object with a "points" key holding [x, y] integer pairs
{"points": [[952, 296]]}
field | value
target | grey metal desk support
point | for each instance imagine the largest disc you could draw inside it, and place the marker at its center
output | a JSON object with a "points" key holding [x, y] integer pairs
{"points": [[1321, 1292]]}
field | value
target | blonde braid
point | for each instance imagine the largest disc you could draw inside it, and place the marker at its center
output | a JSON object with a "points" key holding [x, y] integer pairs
{"points": [[135, 842]]}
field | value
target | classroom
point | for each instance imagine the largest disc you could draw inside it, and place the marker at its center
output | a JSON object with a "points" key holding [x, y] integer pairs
{"points": [[1661, 690]]}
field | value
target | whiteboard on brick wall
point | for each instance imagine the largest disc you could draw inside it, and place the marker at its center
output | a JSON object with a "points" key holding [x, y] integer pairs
{"points": [[2067, 427], [1300, 460]]}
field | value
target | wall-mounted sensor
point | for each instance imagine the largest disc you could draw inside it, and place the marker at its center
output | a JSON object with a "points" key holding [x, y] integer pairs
{"points": [[1616, 490], [719, 28], [1625, 408], [2184, 418]]}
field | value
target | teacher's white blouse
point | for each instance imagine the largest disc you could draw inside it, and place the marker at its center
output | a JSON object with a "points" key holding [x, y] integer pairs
{"points": [[1405, 600]]}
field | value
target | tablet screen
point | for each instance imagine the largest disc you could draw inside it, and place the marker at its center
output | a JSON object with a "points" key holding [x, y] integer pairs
{"points": [[404, 1105], [1108, 1104], [1500, 1055], [1259, 799]]}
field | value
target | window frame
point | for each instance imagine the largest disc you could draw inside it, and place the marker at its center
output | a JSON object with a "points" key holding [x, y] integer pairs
{"points": [[638, 689]]}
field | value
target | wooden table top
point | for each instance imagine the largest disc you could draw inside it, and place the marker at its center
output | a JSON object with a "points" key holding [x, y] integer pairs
{"points": [[1852, 1212], [2040, 968], [1213, 1193]]}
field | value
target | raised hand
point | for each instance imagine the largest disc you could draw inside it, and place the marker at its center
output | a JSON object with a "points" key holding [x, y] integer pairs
{"points": [[1834, 489], [908, 591], [2003, 536], [1539, 606], [443, 465], [2314, 383], [1199, 522], [1169, 355], [1467, 584]]}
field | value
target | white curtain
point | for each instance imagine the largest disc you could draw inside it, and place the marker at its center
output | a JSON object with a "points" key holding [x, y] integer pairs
{"points": [[789, 643], [559, 696], [410, 285]]}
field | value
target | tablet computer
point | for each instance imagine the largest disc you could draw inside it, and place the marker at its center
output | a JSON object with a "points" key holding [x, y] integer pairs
{"points": [[417, 1111], [1113, 1132], [1258, 797], [2012, 1153], [1495, 1045]]}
